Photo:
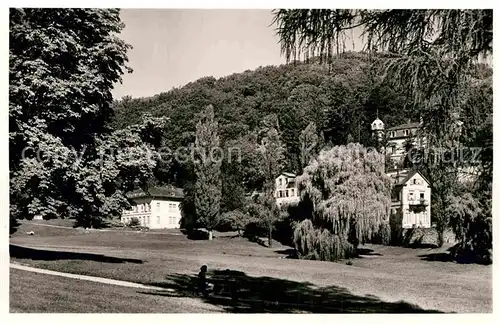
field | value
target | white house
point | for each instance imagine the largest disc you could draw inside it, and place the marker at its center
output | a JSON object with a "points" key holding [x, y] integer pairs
{"points": [[412, 196], [159, 208], [286, 189], [397, 138]]}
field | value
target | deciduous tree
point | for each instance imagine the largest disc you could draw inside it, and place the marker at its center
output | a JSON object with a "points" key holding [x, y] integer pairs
{"points": [[350, 196], [65, 160]]}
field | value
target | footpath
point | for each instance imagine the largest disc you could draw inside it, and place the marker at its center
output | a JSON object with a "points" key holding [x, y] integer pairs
{"points": [[89, 278]]}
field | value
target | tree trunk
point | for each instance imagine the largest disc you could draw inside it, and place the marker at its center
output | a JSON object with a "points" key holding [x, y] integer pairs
{"points": [[270, 237], [440, 236], [210, 235]]}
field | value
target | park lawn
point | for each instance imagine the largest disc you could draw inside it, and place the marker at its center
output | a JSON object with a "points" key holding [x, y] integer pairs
{"points": [[395, 274], [41, 293]]}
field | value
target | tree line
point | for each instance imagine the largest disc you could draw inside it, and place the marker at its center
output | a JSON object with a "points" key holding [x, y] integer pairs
{"points": [[297, 117]]}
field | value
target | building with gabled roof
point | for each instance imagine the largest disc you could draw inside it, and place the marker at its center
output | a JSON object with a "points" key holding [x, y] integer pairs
{"points": [[155, 208], [286, 190], [411, 201]]}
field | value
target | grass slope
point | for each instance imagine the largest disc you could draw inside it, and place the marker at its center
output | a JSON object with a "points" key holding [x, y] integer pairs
{"points": [[41, 293], [382, 277]]}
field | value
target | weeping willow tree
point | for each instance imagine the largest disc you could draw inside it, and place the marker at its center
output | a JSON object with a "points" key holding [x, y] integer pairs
{"points": [[431, 54], [350, 196]]}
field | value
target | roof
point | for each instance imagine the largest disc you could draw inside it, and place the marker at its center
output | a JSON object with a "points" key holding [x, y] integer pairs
{"points": [[163, 192], [288, 174], [414, 125], [411, 173], [377, 124]]}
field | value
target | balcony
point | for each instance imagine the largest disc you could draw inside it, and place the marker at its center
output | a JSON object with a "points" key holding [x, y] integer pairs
{"points": [[422, 202]]}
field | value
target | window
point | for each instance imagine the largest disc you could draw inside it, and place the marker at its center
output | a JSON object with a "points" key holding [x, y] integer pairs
{"points": [[147, 220], [286, 193], [171, 207], [157, 220], [407, 132], [421, 196], [280, 181], [393, 134], [293, 194], [415, 181], [157, 206]]}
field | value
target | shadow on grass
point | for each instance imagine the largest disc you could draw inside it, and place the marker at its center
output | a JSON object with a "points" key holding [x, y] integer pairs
{"points": [[237, 292], [367, 252], [417, 245], [290, 253], [46, 255], [451, 255], [438, 257]]}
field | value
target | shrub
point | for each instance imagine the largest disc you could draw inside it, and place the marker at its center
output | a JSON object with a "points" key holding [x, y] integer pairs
{"points": [[383, 236], [234, 220], [134, 222]]}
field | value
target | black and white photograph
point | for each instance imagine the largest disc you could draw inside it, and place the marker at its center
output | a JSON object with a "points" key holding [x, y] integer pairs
{"points": [[249, 161]]}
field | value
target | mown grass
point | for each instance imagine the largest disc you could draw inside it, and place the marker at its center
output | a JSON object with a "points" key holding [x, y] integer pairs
{"points": [[389, 273], [41, 293]]}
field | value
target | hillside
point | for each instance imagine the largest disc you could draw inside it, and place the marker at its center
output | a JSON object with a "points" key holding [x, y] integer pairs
{"points": [[342, 99]]}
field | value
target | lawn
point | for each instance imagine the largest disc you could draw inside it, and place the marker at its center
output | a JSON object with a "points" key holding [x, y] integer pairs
{"points": [[384, 279], [41, 293]]}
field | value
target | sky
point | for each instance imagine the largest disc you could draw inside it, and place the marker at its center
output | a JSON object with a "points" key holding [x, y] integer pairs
{"points": [[174, 47]]}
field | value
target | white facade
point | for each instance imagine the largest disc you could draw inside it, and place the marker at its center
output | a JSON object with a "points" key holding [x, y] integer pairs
{"points": [[397, 138], [413, 197], [155, 213], [286, 189]]}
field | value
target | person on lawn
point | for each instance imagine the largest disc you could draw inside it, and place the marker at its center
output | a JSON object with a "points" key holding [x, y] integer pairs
{"points": [[204, 287]]}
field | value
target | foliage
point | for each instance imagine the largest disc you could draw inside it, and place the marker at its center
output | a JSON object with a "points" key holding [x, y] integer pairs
{"points": [[319, 243], [272, 151], [433, 57], [310, 144], [65, 160], [286, 97], [383, 236], [236, 220], [350, 196], [207, 165], [472, 227], [134, 221]]}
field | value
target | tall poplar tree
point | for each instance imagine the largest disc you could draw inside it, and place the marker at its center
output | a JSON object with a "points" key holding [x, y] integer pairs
{"points": [[207, 164]]}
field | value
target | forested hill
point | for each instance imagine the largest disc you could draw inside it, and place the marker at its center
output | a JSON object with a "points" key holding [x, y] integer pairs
{"points": [[342, 99]]}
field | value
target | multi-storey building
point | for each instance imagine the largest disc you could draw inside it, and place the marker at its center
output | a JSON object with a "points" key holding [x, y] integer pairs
{"points": [[411, 195], [286, 189], [159, 208]]}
